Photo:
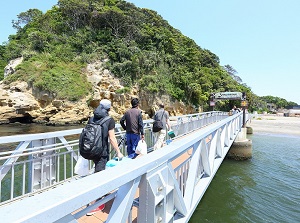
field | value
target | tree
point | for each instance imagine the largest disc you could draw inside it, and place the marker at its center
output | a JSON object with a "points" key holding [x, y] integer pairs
{"points": [[233, 73], [77, 13], [26, 17], [140, 48], [3, 61]]}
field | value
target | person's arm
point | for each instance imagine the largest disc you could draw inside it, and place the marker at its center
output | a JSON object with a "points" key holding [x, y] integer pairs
{"points": [[91, 119], [154, 116], [114, 143], [168, 120], [141, 125], [168, 124], [122, 122]]}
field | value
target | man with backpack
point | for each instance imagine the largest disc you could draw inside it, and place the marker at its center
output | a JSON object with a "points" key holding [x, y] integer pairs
{"points": [[102, 118], [132, 122], [163, 116], [108, 132]]}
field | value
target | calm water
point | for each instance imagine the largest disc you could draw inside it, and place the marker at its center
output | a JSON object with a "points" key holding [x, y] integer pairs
{"points": [[263, 189], [16, 129]]}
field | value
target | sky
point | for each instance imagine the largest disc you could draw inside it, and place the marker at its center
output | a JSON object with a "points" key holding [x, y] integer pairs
{"points": [[260, 39]]}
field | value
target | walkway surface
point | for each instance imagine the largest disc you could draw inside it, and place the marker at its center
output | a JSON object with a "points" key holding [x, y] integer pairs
{"points": [[101, 216]]}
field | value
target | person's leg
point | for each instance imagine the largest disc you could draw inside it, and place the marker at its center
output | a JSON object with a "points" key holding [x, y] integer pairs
{"points": [[100, 163], [99, 166], [135, 140], [156, 136], [160, 139], [129, 144]]}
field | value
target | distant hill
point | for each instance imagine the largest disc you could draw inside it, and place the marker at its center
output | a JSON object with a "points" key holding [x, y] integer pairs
{"points": [[140, 48]]}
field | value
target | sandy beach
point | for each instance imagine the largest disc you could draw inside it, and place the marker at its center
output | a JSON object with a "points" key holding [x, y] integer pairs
{"points": [[275, 124]]}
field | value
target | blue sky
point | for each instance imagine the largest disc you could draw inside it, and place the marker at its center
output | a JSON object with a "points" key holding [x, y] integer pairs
{"points": [[259, 38]]}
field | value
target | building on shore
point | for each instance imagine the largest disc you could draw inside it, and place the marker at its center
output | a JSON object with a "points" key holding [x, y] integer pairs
{"points": [[293, 112]]}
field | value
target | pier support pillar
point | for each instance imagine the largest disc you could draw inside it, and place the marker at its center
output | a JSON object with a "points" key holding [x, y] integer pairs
{"points": [[241, 149], [249, 130]]}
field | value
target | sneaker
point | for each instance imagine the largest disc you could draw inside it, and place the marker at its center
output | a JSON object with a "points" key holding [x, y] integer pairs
{"points": [[100, 208]]}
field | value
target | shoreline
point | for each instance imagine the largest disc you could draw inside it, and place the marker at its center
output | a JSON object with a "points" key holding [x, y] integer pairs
{"points": [[275, 124], [259, 123]]}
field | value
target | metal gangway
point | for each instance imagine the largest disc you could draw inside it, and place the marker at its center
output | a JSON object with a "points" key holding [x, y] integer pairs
{"points": [[38, 183]]}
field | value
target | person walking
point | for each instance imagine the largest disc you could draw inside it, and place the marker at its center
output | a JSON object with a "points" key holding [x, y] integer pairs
{"points": [[159, 136], [108, 133], [235, 110], [132, 122]]}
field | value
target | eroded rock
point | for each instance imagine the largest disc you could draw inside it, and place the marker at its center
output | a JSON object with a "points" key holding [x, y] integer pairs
{"points": [[19, 101]]}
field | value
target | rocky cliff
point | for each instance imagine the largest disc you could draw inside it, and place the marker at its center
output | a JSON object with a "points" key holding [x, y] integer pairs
{"points": [[20, 102]]}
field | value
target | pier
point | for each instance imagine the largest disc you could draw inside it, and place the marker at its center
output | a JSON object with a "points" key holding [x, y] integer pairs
{"points": [[38, 183]]}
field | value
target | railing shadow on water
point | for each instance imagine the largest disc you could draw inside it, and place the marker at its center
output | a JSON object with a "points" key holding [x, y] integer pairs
{"points": [[42, 161]]}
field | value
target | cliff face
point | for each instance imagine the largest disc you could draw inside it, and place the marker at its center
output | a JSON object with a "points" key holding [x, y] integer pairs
{"points": [[20, 102]]}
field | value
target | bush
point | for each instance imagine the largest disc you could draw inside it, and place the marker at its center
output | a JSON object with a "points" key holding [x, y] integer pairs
{"points": [[123, 90], [65, 80]]}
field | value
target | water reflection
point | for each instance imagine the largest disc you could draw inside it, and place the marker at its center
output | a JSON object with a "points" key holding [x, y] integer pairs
{"points": [[225, 194]]}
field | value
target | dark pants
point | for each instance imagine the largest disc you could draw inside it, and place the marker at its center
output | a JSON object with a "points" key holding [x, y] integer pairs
{"points": [[132, 141], [100, 163]]}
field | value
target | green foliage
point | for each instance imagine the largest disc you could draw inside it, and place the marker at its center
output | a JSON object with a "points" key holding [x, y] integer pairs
{"points": [[142, 48], [3, 61], [26, 17], [277, 101], [47, 73], [123, 90], [13, 49]]}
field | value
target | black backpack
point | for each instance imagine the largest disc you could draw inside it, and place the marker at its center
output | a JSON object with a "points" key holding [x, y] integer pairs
{"points": [[91, 144]]}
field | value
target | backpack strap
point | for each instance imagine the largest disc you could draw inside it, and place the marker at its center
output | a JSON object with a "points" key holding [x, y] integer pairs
{"points": [[162, 116], [104, 120]]}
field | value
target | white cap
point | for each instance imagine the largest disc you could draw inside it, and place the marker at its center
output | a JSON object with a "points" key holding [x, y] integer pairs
{"points": [[105, 104]]}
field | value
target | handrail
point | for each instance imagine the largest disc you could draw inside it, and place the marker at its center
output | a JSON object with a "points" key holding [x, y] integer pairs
{"points": [[38, 161], [166, 193]]}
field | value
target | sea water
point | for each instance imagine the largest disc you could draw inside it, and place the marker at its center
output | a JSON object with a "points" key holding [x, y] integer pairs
{"points": [[263, 189]]}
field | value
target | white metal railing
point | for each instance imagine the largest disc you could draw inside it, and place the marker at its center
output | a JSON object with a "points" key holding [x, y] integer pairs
{"points": [[34, 162], [162, 190]]}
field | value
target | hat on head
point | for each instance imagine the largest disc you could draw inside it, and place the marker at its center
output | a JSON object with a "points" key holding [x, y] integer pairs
{"points": [[134, 102], [105, 104]]}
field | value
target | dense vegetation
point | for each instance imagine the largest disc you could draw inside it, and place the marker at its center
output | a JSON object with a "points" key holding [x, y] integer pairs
{"points": [[141, 47], [276, 102]]}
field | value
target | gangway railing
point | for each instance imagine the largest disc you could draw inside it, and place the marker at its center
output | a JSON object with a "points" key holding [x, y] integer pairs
{"points": [[160, 190], [35, 162]]}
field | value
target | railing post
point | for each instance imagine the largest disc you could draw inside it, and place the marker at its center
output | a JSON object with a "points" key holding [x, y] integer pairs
{"points": [[42, 171], [156, 202]]}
